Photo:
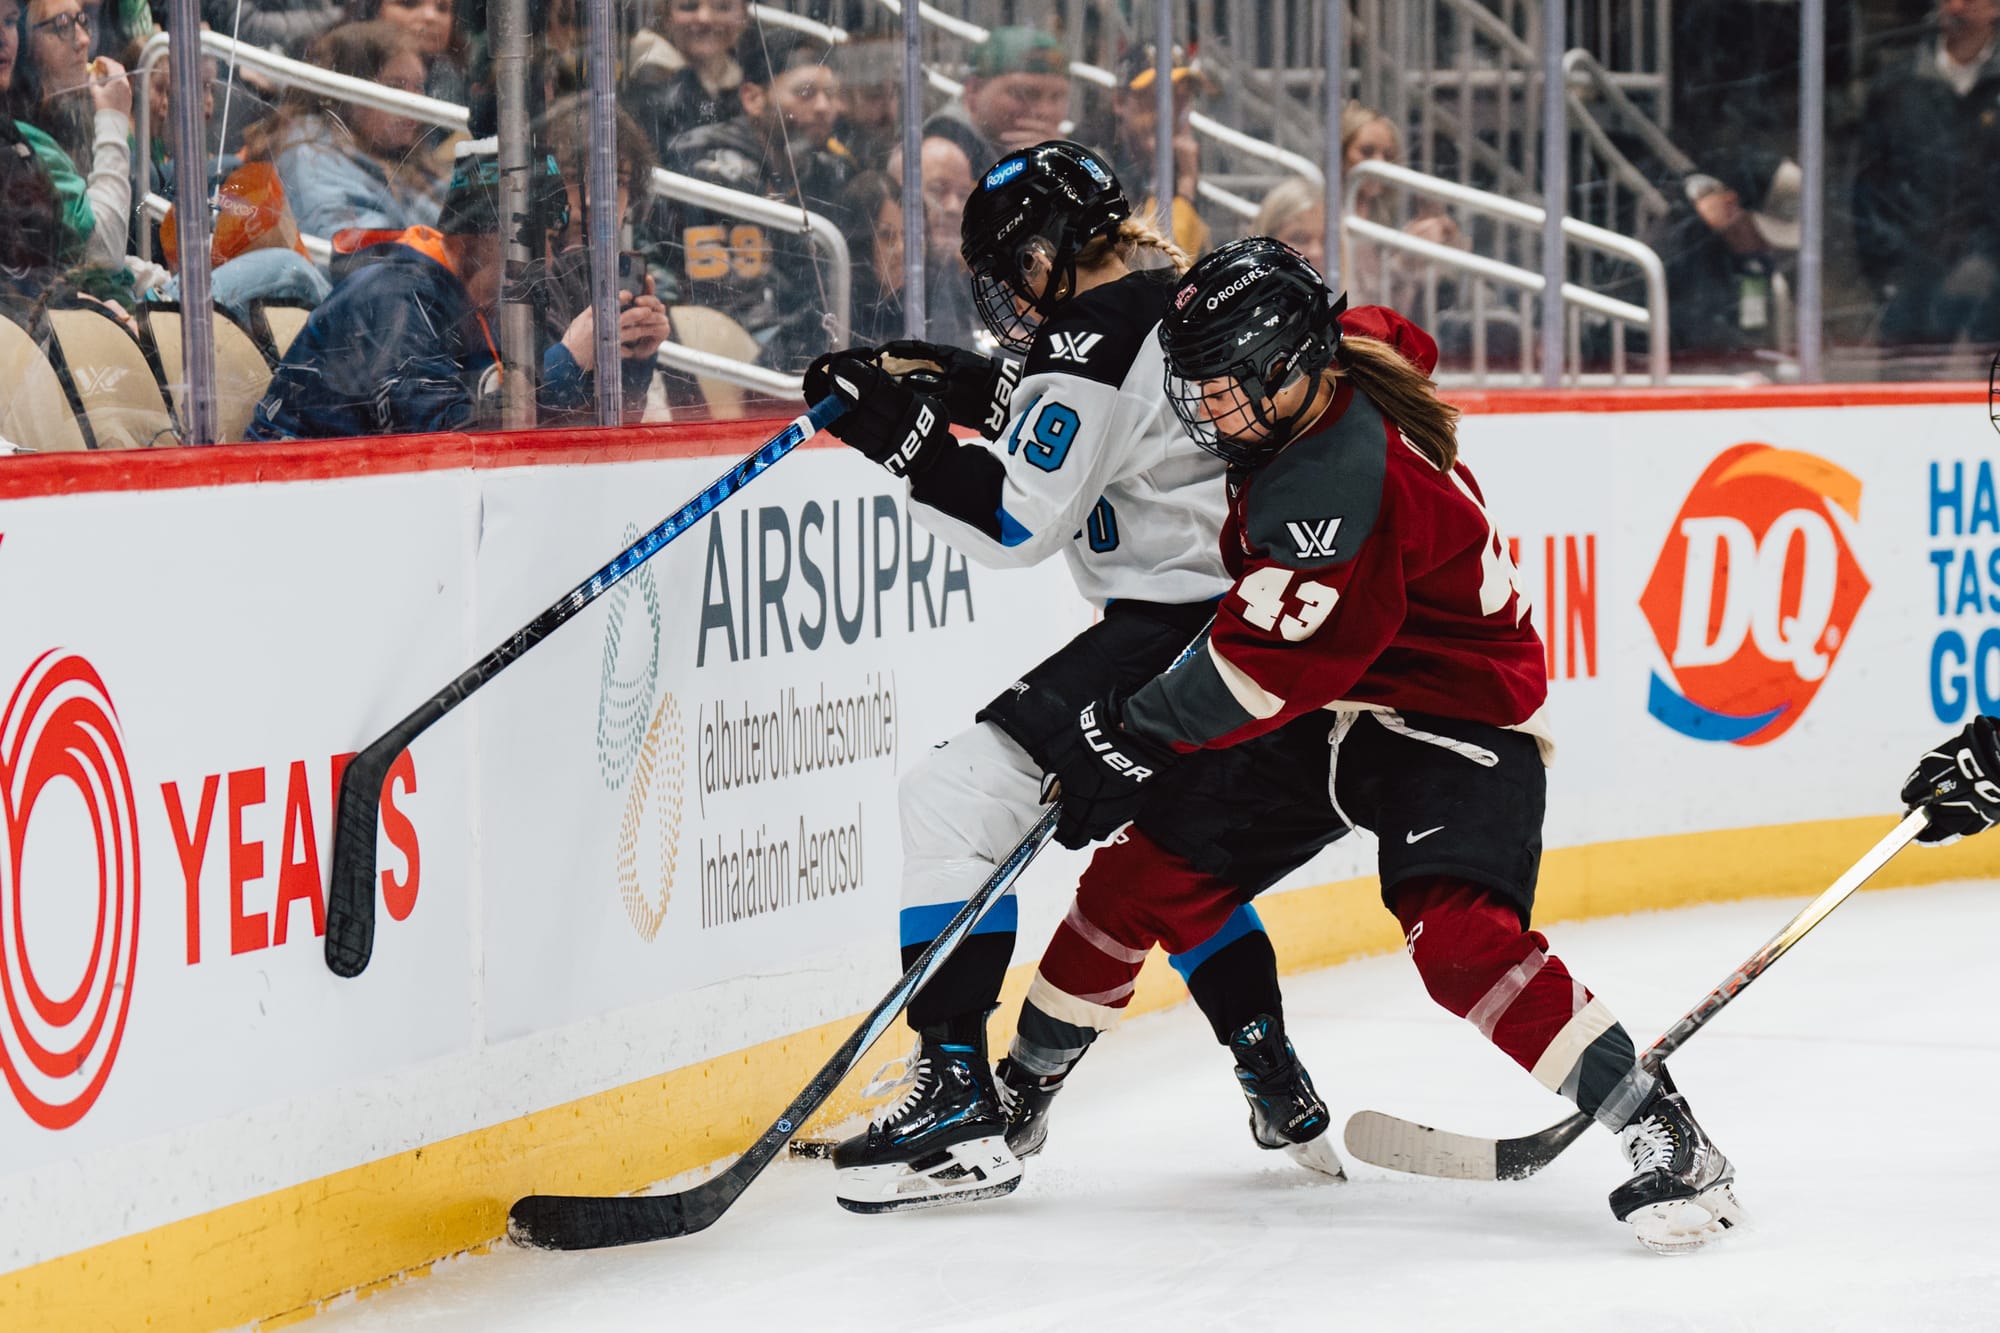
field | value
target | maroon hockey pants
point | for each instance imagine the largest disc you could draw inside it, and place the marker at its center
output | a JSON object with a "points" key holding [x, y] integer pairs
{"points": [[1469, 947]]}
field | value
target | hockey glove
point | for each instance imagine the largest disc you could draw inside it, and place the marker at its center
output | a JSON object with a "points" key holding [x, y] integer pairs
{"points": [[1958, 784], [976, 388], [903, 431], [1099, 772]]}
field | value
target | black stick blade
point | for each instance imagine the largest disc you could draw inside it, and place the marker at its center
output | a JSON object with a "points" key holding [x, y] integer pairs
{"points": [[350, 893], [581, 1222], [1517, 1159]]}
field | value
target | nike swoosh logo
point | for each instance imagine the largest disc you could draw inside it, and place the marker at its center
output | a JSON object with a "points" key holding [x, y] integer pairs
{"points": [[1419, 837]]}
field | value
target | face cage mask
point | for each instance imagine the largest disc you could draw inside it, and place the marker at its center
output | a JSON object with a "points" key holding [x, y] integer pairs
{"points": [[995, 296], [1254, 436]]}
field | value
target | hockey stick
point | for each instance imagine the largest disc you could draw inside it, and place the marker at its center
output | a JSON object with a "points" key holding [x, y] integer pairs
{"points": [[585, 1222], [1404, 1145], [350, 903]]}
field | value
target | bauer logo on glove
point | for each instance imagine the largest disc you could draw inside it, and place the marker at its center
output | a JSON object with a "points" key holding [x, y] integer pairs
{"points": [[1114, 758]]}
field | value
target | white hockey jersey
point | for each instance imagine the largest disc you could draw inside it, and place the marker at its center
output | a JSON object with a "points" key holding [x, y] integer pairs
{"points": [[1093, 462]]}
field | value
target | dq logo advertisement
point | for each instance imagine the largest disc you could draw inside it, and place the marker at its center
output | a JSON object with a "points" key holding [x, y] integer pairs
{"points": [[1753, 594], [62, 755]]}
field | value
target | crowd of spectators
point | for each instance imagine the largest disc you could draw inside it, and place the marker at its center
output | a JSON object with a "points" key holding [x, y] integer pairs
{"points": [[708, 92]]}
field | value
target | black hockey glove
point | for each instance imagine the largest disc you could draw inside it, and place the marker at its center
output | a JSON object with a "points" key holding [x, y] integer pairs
{"points": [[903, 431], [976, 388], [1099, 772], [1958, 784]]}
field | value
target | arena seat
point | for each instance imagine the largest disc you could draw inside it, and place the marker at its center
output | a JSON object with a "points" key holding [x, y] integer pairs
{"points": [[275, 323], [112, 381], [241, 371], [35, 413], [708, 330]]}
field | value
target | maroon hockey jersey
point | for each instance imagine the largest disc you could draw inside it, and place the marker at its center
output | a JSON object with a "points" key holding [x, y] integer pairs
{"points": [[1364, 577]]}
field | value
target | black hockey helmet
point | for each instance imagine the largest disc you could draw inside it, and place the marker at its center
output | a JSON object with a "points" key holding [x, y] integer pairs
{"points": [[1039, 206], [1250, 319]]}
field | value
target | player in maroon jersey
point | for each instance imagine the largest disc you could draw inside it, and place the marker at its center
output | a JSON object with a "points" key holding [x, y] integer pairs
{"points": [[1372, 666]]}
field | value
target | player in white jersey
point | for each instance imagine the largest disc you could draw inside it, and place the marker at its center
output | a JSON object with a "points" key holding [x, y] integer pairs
{"points": [[1085, 457]]}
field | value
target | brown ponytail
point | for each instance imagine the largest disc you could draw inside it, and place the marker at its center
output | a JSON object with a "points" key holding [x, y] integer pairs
{"points": [[1406, 395]]}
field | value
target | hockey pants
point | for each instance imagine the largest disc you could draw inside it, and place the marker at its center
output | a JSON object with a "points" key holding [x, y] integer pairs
{"points": [[1471, 949], [964, 808]]}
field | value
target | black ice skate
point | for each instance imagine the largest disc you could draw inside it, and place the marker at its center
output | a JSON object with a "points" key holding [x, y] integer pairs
{"points": [[1285, 1112], [1027, 1097], [1682, 1196], [945, 1142]]}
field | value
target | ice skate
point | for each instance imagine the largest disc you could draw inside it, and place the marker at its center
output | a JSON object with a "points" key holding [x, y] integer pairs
{"points": [[1027, 1097], [1285, 1112], [1682, 1195], [945, 1142]]}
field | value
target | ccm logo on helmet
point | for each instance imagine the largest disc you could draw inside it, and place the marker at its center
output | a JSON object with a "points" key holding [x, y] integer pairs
{"points": [[1236, 287]]}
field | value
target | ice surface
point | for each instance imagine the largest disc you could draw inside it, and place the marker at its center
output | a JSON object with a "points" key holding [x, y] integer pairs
{"points": [[1854, 1085]]}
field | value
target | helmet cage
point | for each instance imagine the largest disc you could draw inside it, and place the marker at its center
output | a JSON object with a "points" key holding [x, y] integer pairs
{"points": [[1223, 385], [1001, 292]]}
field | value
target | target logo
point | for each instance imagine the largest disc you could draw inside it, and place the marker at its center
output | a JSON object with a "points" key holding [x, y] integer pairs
{"points": [[59, 741]]}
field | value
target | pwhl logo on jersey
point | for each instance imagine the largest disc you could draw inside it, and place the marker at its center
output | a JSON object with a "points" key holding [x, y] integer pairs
{"points": [[1753, 594], [57, 1043]]}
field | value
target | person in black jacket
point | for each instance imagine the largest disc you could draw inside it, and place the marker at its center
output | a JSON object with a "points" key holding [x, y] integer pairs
{"points": [[779, 147], [405, 345], [1927, 190], [685, 75]]}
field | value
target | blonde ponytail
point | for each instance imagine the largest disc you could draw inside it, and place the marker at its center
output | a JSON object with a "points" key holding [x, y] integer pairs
{"points": [[1406, 395], [1135, 232]]}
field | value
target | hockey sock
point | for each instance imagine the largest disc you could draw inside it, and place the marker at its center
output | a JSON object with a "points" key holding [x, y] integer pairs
{"points": [[968, 982], [1478, 961], [1233, 977], [1133, 895]]}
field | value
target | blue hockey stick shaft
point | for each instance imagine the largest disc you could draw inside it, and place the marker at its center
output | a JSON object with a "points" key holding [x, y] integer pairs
{"points": [[350, 904]]}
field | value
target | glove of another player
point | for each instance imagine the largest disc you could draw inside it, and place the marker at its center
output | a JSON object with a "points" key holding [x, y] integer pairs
{"points": [[1958, 784], [903, 431], [1099, 771], [976, 389]]}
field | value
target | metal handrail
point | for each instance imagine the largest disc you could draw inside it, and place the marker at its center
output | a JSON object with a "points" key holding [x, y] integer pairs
{"points": [[771, 213], [1652, 316], [771, 17], [671, 354], [1579, 66], [710, 365]]}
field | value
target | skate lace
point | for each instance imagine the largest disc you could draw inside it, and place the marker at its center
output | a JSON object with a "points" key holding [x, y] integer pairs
{"points": [[898, 1071], [1650, 1144], [919, 1076]]}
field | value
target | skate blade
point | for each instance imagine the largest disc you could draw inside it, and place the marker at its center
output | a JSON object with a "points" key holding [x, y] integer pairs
{"points": [[1318, 1155], [1683, 1226], [962, 1173]]}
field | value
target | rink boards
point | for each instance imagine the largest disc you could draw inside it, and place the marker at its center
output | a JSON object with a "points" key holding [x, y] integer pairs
{"points": [[636, 890]]}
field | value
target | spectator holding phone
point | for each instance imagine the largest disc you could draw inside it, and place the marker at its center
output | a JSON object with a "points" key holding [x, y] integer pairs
{"points": [[568, 314], [405, 344]]}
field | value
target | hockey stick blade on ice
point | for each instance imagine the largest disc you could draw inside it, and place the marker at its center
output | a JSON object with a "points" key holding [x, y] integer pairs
{"points": [[583, 1222], [350, 904], [1404, 1145]]}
